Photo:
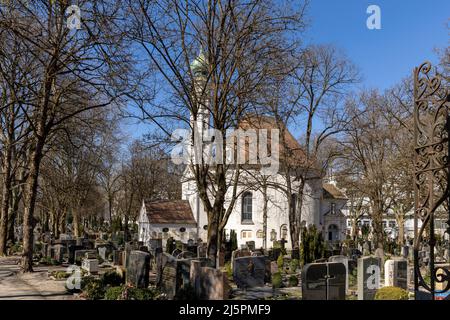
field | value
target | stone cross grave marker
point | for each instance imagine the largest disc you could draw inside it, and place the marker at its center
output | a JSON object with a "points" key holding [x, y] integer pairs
{"points": [[323, 281], [344, 260]]}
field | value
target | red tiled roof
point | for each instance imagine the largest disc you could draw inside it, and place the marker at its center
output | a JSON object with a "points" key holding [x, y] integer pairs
{"points": [[331, 191], [169, 212], [292, 153]]}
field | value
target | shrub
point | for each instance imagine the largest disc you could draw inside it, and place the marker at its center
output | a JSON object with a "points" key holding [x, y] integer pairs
{"points": [[294, 265], [112, 278], [143, 294], [280, 262], [277, 280], [113, 293], [312, 246], [60, 274], [229, 269], [94, 290], [293, 281], [16, 248], [233, 240], [391, 293], [127, 292]]}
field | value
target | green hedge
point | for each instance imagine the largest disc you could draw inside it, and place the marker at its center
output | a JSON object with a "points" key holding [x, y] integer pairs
{"points": [[293, 281], [277, 280], [391, 293]]}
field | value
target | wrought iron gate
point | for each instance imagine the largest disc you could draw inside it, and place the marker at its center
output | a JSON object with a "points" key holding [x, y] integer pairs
{"points": [[431, 178]]}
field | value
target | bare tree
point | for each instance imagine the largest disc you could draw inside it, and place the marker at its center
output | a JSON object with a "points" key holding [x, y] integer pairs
{"points": [[239, 40], [72, 72]]}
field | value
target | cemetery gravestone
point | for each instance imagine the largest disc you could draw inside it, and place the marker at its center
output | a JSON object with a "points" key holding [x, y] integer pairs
{"points": [[249, 272], [323, 281], [102, 253], [201, 250], [79, 254], [138, 269], [396, 273], [213, 284], [117, 257], [58, 252], [239, 254], [379, 253], [154, 244], [71, 252], [369, 274], [168, 276], [366, 249], [405, 252], [251, 245], [50, 251], [90, 265], [343, 260]]}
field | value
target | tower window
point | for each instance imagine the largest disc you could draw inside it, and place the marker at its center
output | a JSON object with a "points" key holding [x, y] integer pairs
{"points": [[247, 207]]}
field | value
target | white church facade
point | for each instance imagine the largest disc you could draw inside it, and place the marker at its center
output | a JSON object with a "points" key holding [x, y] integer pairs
{"points": [[320, 207]]}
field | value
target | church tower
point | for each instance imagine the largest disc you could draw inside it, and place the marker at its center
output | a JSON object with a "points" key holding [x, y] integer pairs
{"points": [[200, 123]]}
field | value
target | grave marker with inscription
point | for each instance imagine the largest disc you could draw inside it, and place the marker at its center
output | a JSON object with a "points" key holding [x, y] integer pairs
{"points": [[369, 274]]}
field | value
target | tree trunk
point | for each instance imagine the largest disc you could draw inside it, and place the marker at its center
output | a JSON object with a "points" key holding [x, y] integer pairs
{"points": [[213, 237], [76, 223], [5, 198], [5, 201], [29, 204], [401, 229], [12, 218], [298, 213], [377, 225], [265, 200]]}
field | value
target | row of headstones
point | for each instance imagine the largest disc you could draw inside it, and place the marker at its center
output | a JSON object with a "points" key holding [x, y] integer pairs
{"points": [[80, 251], [329, 280], [174, 275]]}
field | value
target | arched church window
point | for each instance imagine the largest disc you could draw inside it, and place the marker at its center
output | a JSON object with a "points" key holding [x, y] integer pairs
{"points": [[247, 207], [284, 232]]}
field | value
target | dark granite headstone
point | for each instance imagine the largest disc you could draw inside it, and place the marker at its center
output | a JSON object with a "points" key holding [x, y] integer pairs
{"points": [[249, 272], [323, 281], [71, 252], [138, 269], [58, 252]]}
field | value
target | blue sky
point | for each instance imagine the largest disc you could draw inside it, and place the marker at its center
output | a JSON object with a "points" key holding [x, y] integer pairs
{"points": [[410, 31]]}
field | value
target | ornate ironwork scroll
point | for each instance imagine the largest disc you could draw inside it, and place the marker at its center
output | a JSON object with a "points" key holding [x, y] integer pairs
{"points": [[431, 185]]}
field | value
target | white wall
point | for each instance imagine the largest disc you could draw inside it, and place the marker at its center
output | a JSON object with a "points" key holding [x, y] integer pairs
{"points": [[277, 206]]}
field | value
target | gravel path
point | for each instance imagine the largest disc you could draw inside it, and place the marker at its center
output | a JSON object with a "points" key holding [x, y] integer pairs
{"points": [[28, 286]]}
